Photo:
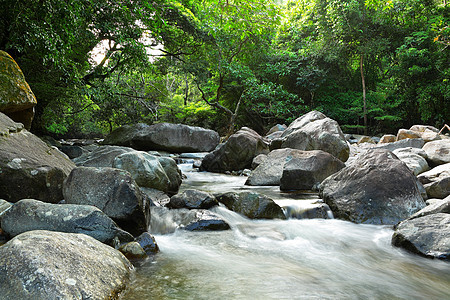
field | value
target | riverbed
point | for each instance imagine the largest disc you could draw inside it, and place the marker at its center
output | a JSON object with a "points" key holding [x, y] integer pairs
{"points": [[283, 259]]}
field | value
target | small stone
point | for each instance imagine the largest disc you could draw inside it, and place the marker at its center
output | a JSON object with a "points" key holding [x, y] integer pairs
{"points": [[133, 250]]}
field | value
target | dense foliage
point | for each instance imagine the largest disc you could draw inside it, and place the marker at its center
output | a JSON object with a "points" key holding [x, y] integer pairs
{"points": [[369, 64]]}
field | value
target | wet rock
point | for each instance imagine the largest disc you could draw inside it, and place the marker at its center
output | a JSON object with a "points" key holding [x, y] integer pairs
{"points": [[252, 205], [440, 206], [237, 153], [306, 170], [29, 168], [29, 214], [16, 98], [101, 157], [427, 236], [53, 265], [113, 191], [176, 138], [133, 250], [192, 199], [387, 138], [206, 220], [314, 131], [414, 158], [377, 188], [197, 164], [438, 152], [166, 220], [148, 243], [173, 173], [156, 197], [437, 181]]}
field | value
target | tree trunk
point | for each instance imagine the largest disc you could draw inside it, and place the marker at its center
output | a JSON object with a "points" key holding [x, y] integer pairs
{"points": [[364, 94], [233, 118], [186, 91]]}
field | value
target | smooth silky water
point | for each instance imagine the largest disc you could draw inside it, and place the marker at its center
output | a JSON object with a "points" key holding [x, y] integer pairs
{"points": [[283, 259]]}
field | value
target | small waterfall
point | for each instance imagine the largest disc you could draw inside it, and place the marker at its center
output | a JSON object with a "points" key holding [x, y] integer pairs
{"points": [[305, 209], [166, 221]]}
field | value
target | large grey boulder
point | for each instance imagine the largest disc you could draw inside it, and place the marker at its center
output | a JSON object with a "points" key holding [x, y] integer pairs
{"points": [[314, 131], [102, 156], [270, 168], [428, 235], [173, 173], [42, 265], [29, 168], [252, 205], [148, 170], [192, 199], [123, 136], [29, 214], [144, 168], [113, 191], [438, 152], [437, 181], [306, 170], [294, 169], [427, 133], [169, 137], [414, 158], [377, 188], [236, 153]]}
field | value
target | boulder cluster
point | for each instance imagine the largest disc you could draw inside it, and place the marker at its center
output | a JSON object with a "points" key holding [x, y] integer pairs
{"points": [[366, 180], [73, 216]]}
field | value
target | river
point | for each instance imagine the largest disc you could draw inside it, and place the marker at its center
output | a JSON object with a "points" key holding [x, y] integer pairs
{"points": [[283, 259]]}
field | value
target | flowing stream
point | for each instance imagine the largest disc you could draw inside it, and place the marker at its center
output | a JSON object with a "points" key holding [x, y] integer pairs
{"points": [[283, 259]]}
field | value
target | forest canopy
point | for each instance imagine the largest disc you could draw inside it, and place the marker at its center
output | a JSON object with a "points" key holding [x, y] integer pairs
{"points": [[94, 65]]}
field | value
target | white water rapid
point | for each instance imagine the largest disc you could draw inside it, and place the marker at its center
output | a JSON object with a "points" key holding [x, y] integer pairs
{"points": [[290, 259]]}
